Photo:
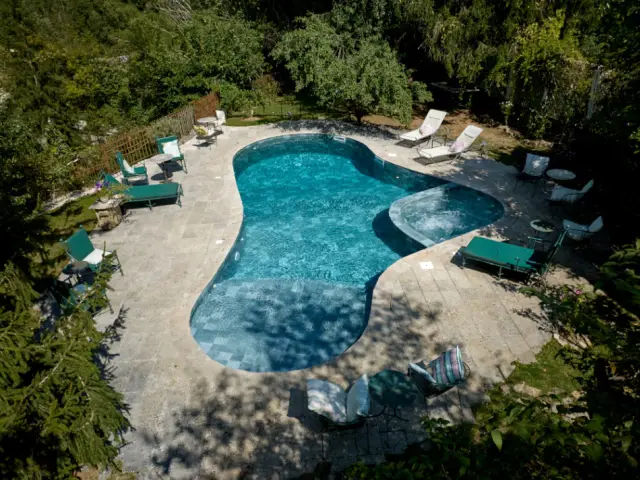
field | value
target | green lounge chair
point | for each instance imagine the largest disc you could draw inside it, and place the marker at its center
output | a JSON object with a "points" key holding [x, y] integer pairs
{"points": [[148, 193], [139, 172], [171, 146], [69, 297], [511, 257], [80, 249]]}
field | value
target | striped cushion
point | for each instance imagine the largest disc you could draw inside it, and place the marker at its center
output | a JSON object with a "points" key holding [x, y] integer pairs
{"points": [[448, 368]]}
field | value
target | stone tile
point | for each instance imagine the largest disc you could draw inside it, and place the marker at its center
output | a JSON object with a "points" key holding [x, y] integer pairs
{"points": [[170, 253]]}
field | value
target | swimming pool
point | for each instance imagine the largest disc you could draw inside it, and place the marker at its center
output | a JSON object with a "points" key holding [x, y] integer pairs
{"points": [[294, 290]]}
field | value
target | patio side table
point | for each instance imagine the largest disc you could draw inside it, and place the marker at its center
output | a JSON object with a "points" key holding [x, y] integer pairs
{"points": [[392, 389], [162, 159], [560, 175]]}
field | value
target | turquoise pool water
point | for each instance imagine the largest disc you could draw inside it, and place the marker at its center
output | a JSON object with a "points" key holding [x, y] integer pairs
{"points": [[294, 291]]}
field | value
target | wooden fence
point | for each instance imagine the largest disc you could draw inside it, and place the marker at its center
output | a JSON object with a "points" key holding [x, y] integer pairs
{"points": [[139, 143]]}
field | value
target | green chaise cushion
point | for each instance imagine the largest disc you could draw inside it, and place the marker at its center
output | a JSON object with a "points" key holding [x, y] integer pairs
{"points": [[149, 192], [138, 193], [499, 253]]}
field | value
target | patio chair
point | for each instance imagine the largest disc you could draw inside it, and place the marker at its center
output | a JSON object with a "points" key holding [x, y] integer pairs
{"points": [[561, 194], [441, 374], [80, 249], [69, 297], [171, 146], [222, 119], [138, 172], [533, 170], [578, 232], [511, 257], [337, 408], [148, 193], [428, 129], [453, 151]]}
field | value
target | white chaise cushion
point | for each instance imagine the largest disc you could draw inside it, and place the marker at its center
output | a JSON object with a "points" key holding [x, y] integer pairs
{"points": [[358, 402], [435, 152], [536, 165], [327, 399], [172, 148], [95, 257], [127, 167], [426, 130], [413, 135], [457, 147]]}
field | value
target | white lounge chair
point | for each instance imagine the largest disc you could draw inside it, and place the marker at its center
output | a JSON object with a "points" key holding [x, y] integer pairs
{"points": [[534, 168], [222, 119], [569, 195], [338, 407], [428, 129], [461, 145], [578, 232]]}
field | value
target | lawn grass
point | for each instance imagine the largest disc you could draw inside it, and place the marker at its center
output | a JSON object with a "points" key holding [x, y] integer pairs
{"points": [[284, 108], [548, 373]]}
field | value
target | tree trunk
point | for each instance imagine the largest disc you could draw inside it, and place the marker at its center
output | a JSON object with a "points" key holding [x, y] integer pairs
{"points": [[359, 116]]}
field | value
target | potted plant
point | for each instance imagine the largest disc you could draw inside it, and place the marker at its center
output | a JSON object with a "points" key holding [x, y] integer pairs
{"points": [[107, 206]]}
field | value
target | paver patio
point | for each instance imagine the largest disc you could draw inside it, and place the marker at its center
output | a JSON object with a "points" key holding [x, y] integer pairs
{"points": [[193, 417]]}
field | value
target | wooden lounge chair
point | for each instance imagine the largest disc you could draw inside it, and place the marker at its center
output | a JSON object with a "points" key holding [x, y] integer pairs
{"points": [[80, 249], [138, 172], [511, 257], [148, 193], [441, 374], [171, 145]]}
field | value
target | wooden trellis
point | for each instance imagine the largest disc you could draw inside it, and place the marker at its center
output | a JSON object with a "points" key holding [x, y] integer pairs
{"points": [[139, 143]]}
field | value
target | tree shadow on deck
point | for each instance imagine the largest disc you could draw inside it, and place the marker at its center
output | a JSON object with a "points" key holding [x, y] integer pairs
{"points": [[241, 425]]}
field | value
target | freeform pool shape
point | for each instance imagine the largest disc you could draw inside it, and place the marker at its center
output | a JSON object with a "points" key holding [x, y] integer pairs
{"points": [[294, 291]]}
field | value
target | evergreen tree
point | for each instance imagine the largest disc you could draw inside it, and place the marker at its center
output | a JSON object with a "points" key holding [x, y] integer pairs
{"points": [[57, 409]]}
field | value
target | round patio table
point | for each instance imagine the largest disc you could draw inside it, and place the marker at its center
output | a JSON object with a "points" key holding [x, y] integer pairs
{"points": [[392, 389], [561, 175], [161, 160]]}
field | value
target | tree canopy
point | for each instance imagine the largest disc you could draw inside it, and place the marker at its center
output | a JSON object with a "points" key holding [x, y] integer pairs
{"points": [[75, 72], [362, 75]]}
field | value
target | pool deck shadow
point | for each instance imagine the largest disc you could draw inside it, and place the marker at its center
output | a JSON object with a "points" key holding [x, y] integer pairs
{"points": [[193, 416]]}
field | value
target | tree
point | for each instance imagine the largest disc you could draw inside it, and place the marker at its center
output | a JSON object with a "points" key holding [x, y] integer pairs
{"points": [[361, 75], [57, 409]]}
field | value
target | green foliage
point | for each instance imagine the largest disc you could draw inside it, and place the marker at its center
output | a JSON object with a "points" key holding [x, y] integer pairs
{"points": [[363, 76], [591, 432], [57, 411], [621, 275]]}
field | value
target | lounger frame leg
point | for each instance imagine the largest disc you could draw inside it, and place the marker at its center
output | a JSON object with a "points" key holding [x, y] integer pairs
{"points": [[115, 254]]}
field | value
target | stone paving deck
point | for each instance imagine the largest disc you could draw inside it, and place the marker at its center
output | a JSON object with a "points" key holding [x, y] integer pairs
{"points": [[193, 417]]}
